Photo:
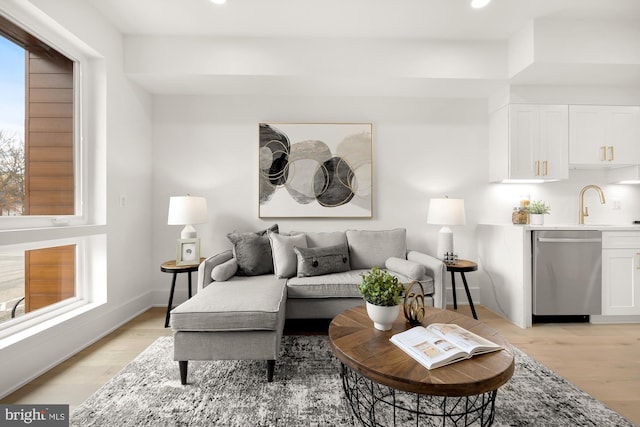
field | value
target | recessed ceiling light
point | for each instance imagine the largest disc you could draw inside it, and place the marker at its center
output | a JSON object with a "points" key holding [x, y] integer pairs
{"points": [[477, 4], [218, 1]]}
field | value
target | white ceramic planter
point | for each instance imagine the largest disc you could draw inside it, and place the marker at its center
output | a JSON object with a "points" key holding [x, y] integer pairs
{"points": [[383, 317], [536, 219]]}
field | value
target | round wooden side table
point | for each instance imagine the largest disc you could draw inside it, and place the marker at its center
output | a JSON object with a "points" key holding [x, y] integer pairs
{"points": [[462, 266], [171, 267]]}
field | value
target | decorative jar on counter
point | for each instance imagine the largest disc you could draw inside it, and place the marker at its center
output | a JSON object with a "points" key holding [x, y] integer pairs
{"points": [[519, 216]]}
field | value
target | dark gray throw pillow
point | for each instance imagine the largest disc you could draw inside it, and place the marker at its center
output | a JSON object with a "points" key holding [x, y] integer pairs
{"points": [[322, 260], [253, 252]]}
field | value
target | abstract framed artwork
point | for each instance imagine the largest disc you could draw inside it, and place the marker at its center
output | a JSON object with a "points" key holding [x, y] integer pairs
{"points": [[315, 170]]}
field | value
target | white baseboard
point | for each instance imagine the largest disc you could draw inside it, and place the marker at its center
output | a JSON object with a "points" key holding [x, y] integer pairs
{"points": [[461, 295], [598, 319]]}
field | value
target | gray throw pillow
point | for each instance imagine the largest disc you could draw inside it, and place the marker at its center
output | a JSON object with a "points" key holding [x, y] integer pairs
{"points": [[323, 238], [371, 247], [284, 259], [253, 252], [322, 260], [411, 269], [225, 271]]}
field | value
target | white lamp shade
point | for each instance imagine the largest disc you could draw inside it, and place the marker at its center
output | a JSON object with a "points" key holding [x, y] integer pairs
{"points": [[446, 212], [187, 210]]}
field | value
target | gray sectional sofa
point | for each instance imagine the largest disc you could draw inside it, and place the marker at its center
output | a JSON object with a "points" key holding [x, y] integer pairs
{"points": [[246, 293]]}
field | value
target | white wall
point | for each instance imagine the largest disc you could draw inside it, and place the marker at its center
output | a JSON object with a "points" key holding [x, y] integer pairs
{"points": [[125, 127], [207, 146], [422, 148]]}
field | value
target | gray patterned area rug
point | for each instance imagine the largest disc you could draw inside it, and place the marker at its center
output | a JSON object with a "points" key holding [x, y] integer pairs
{"points": [[306, 391]]}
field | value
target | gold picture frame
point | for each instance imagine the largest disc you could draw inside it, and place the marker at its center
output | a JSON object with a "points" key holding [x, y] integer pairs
{"points": [[188, 251]]}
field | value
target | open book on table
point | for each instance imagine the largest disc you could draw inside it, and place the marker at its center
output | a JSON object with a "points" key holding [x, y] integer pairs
{"points": [[440, 344]]}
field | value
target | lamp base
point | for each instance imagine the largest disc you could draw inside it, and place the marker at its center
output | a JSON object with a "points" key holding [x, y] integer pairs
{"points": [[445, 242], [188, 232]]}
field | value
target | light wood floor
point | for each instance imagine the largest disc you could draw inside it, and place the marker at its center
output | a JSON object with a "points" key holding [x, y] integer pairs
{"points": [[602, 360]]}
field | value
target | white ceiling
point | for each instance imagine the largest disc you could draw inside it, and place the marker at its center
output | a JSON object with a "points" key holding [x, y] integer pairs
{"points": [[432, 19], [372, 20]]}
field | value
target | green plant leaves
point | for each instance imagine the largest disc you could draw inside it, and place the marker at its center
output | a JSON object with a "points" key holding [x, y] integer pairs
{"points": [[538, 207], [380, 287]]}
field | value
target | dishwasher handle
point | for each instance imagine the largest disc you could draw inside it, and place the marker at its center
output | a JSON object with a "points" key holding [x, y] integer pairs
{"points": [[569, 240]]}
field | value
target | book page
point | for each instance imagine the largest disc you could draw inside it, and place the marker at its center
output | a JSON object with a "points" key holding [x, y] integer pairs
{"points": [[425, 345], [466, 340]]}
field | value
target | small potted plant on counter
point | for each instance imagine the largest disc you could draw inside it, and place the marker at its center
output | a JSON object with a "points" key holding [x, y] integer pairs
{"points": [[537, 209], [382, 292]]}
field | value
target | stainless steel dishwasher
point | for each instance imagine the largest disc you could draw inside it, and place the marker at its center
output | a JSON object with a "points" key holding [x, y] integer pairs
{"points": [[567, 273]]}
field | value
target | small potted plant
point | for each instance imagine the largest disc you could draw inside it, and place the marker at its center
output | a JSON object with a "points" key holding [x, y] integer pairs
{"points": [[382, 292], [537, 209]]}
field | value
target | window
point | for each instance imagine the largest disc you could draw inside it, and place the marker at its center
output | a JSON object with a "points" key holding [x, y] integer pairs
{"points": [[36, 147], [47, 265], [35, 279], [11, 128]]}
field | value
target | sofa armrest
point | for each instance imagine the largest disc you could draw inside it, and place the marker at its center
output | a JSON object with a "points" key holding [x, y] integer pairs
{"points": [[206, 266], [436, 269]]}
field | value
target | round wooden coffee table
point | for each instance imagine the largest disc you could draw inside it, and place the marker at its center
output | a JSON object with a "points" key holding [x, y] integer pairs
{"points": [[385, 386]]}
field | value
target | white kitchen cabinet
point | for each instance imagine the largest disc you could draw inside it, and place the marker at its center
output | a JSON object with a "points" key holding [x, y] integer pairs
{"points": [[620, 273], [604, 135], [529, 141]]}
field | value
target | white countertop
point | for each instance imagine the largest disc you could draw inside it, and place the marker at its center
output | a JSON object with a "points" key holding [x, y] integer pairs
{"points": [[599, 227], [585, 227]]}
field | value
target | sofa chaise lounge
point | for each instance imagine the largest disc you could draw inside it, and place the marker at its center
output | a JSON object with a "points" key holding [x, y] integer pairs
{"points": [[245, 294]]}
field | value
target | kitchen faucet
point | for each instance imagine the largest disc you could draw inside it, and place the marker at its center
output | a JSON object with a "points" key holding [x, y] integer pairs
{"points": [[584, 211]]}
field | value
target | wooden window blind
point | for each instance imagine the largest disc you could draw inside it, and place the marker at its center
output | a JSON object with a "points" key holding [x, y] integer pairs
{"points": [[49, 168]]}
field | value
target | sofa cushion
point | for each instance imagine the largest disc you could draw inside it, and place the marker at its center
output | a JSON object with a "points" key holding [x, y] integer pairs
{"points": [[340, 285], [369, 248], [336, 285], [317, 239], [322, 260], [285, 260], [253, 252], [411, 269], [426, 282], [224, 271], [241, 303]]}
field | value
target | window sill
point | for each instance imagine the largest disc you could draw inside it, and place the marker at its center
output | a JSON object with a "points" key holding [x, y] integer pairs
{"points": [[14, 237], [31, 327]]}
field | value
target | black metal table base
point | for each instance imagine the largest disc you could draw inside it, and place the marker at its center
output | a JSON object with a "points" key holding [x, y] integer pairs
{"points": [[173, 288], [466, 289], [375, 405]]}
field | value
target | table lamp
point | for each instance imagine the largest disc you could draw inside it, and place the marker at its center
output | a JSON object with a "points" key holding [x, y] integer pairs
{"points": [[187, 210], [446, 212]]}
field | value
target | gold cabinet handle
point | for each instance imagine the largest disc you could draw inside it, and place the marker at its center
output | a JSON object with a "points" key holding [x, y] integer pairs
{"points": [[545, 168], [610, 153], [604, 153], [537, 167]]}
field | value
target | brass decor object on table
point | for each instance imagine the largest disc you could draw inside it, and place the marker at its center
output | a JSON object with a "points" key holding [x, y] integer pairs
{"points": [[414, 303]]}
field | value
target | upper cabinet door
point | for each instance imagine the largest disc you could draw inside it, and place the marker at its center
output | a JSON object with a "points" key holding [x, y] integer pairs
{"points": [[529, 141], [604, 135], [524, 135], [553, 141]]}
